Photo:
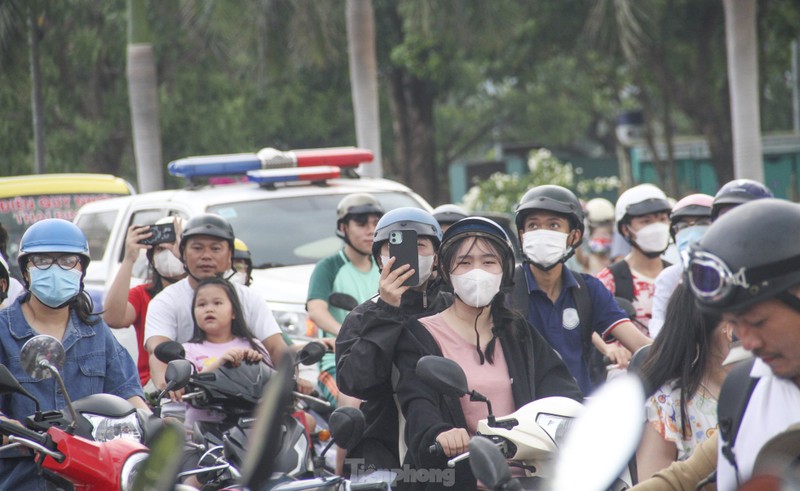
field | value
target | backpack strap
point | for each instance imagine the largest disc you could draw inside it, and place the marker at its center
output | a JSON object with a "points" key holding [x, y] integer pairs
{"points": [[519, 294], [733, 399], [583, 303], [623, 280]]}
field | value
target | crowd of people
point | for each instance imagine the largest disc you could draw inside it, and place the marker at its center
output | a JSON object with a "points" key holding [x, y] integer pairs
{"points": [[704, 274]]}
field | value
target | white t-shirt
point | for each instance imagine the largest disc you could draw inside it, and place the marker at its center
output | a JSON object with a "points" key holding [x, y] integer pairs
{"points": [[170, 313], [772, 408], [666, 282], [14, 290]]}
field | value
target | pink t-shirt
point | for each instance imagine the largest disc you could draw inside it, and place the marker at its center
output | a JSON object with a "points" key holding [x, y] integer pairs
{"points": [[491, 380], [204, 354]]}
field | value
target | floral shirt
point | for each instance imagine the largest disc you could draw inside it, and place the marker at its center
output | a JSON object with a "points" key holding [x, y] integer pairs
{"points": [[664, 413], [643, 291]]}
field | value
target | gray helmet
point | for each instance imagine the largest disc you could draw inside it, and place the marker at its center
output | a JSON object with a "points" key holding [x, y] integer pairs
{"points": [[449, 213], [210, 225], [747, 256], [407, 218]]}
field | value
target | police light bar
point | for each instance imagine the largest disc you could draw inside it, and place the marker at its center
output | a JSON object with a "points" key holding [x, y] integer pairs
{"points": [[306, 174], [267, 158]]}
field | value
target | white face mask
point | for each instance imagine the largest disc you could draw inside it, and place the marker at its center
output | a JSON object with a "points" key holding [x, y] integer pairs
{"points": [[653, 237], [239, 277], [544, 247], [476, 287], [167, 265], [425, 267]]}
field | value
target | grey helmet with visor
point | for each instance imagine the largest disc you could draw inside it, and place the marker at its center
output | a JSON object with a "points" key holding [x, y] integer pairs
{"points": [[406, 218], [729, 270]]}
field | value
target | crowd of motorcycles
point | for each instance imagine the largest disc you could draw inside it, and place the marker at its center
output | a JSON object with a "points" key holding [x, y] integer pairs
{"points": [[102, 442]]}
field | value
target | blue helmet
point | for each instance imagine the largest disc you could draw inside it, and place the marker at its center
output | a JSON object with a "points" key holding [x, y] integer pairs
{"points": [[407, 218], [53, 235], [736, 192], [478, 227]]}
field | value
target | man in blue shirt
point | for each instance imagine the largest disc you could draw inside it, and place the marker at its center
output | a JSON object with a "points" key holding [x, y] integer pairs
{"points": [[549, 222]]}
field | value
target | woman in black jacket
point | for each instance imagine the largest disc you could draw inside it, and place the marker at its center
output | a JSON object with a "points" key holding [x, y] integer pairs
{"points": [[502, 355]]}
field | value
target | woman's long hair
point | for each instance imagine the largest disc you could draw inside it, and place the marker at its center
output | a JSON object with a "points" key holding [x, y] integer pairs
{"points": [[682, 349], [502, 316], [238, 325]]}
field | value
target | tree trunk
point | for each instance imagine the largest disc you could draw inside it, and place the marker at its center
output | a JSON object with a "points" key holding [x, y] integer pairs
{"points": [[740, 35], [36, 93], [412, 121], [364, 81], [143, 93]]}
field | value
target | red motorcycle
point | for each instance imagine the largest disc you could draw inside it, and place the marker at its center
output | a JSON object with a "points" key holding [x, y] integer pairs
{"points": [[62, 441]]}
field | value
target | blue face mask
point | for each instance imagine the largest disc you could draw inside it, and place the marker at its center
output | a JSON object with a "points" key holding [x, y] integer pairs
{"points": [[687, 237], [54, 286]]}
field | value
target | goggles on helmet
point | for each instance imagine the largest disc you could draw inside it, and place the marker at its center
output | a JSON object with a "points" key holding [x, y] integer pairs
{"points": [[713, 282]]}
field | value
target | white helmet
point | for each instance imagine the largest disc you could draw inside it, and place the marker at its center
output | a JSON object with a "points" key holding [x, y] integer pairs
{"points": [[599, 210], [640, 200]]}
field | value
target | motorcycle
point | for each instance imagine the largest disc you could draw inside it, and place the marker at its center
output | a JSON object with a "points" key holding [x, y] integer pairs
{"points": [[92, 444], [581, 463], [235, 393], [529, 438]]}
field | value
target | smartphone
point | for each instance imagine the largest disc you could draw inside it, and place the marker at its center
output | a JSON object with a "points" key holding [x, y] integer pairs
{"points": [[403, 246], [161, 233]]}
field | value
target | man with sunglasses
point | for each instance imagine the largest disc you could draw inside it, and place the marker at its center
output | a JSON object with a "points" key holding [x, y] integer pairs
{"points": [[747, 268]]}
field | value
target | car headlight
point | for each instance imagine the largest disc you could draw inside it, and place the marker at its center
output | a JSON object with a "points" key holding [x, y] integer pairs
{"points": [[105, 428], [293, 323], [555, 426], [129, 469]]}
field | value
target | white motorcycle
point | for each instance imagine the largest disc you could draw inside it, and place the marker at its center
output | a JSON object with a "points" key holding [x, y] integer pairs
{"points": [[529, 438]]}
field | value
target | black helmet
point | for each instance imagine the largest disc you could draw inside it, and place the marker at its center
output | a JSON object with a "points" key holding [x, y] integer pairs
{"points": [[207, 224], [551, 198], [478, 227], [736, 192], [747, 256]]}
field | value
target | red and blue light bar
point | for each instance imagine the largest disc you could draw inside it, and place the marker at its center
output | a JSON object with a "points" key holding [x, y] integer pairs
{"points": [[268, 158], [307, 174]]}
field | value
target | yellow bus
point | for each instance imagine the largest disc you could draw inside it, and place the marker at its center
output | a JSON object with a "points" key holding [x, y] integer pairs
{"points": [[25, 200]]}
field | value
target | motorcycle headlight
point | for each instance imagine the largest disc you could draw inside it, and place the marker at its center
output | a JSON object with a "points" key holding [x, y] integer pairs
{"points": [[129, 469], [105, 428], [555, 426], [292, 323]]}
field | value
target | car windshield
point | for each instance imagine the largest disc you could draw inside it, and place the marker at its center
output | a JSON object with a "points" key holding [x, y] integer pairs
{"points": [[291, 231]]}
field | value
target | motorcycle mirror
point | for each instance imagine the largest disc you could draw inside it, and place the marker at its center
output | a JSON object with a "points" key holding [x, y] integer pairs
{"points": [[311, 353], [346, 425], [443, 375], [9, 384], [489, 466], [169, 350], [342, 301], [601, 440], [38, 349], [264, 441], [626, 306], [177, 374]]}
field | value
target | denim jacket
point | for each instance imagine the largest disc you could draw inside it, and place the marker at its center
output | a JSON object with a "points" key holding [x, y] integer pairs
{"points": [[95, 363]]}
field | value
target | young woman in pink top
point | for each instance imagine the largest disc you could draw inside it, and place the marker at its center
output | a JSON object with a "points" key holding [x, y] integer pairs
{"points": [[503, 357]]}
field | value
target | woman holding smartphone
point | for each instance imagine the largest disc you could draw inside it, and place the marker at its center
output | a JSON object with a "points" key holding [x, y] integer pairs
{"points": [[503, 357], [125, 306]]}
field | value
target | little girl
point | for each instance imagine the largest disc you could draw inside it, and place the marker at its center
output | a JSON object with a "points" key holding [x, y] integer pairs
{"points": [[220, 336]]}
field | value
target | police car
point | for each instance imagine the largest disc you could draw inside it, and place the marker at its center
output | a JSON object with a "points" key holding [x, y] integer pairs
{"points": [[281, 204]]}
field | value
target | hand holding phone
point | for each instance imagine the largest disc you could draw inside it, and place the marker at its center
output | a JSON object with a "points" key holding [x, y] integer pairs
{"points": [[403, 247], [160, 234]]}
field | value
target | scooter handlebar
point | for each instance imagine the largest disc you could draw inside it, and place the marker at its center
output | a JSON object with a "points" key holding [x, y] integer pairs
{"points": [[13, 429], [437, 450]]}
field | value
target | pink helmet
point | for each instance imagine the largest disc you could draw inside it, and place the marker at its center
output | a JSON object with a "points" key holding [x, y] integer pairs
{"points": [[694, 205]]}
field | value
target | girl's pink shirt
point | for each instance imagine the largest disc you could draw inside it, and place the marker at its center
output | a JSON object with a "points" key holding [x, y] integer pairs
{"points": [[491, 380]]}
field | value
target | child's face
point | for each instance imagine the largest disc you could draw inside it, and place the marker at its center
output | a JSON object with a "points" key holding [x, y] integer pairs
{"points": [[213, 310]]}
